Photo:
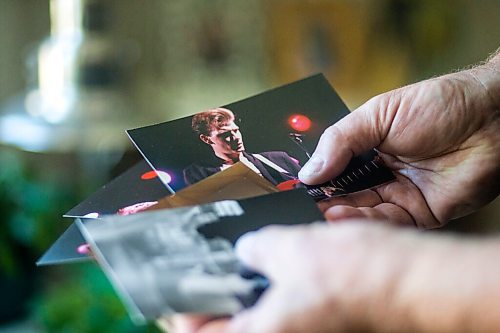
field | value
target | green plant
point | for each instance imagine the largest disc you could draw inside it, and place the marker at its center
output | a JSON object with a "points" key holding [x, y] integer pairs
{"points": [[69, 298], [84, 301], [30, 210]]}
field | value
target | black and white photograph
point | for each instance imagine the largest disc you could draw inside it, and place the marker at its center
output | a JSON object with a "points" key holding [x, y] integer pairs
{"points": [[186, 254]]}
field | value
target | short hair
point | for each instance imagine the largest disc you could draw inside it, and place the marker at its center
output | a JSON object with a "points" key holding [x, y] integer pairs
{"points": [[207, 121]]}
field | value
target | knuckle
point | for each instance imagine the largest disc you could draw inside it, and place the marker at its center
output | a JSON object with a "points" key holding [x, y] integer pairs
{"points": [[429, 224], [329, 135]]}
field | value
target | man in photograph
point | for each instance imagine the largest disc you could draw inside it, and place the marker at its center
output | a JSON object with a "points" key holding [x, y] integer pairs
{"points": [[216, 128]]}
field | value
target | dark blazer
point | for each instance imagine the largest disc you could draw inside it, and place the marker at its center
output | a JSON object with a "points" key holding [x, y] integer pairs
{"points": [[195, 172]]}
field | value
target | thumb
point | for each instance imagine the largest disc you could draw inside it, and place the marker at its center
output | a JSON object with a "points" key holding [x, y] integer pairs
{"points": [[268, 250], [363, 129]]}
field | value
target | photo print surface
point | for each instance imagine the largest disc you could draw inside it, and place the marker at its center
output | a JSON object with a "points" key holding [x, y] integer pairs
{"points": [[136, 189], [273, 133], [186, 254]]}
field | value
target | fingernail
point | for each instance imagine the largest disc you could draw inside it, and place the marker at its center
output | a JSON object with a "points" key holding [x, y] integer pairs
{"points": [[245, 245], [313, 166]]}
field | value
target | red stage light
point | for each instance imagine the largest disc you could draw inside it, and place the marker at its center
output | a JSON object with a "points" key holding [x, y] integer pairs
{"points": [[164, 176], [299, 122], [149, 175]]}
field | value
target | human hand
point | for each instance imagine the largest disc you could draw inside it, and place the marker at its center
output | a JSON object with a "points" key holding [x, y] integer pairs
{"points": [[310, 268], [323, 278], [363, 276], [360, 277], [441, 138]]}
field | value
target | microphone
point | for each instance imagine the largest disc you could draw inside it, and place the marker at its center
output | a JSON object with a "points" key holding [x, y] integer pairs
{"points": [[297, 138]]}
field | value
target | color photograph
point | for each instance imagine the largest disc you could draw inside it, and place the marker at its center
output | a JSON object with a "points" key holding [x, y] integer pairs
{"points": [[272, 133]]}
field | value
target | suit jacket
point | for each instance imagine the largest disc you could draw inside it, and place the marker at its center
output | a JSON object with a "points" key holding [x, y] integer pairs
{"points": [[195, 172]]}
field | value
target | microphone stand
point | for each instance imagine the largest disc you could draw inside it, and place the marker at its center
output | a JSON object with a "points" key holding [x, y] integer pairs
{"points": [[297, 138]]}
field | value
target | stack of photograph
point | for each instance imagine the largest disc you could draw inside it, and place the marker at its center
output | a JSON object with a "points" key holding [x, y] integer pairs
{"points": [[164, 231]]}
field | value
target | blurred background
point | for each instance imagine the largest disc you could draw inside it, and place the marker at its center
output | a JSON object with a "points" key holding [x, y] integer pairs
{"points": [[74, 74]]}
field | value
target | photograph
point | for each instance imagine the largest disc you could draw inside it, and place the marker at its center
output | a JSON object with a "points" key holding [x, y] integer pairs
{"points": [[66, 249], [363, 172], [273, 133], [186, 254], [117, 198], [112, 198]]}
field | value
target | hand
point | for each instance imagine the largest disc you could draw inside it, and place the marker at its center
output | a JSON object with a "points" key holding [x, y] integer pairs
{"points": [[441, 137], [359, 277], [327, 279], [363, 276], [316, 263]]}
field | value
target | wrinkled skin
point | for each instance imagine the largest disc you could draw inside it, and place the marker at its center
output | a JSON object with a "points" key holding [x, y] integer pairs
{"points": [[440, 137]]}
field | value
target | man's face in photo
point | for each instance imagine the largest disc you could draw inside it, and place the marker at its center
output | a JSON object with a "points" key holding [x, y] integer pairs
{"points": [[226, 140]]}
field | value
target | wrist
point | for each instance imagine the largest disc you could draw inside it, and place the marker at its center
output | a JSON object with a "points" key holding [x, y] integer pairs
{"points": [[450, 286]]}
